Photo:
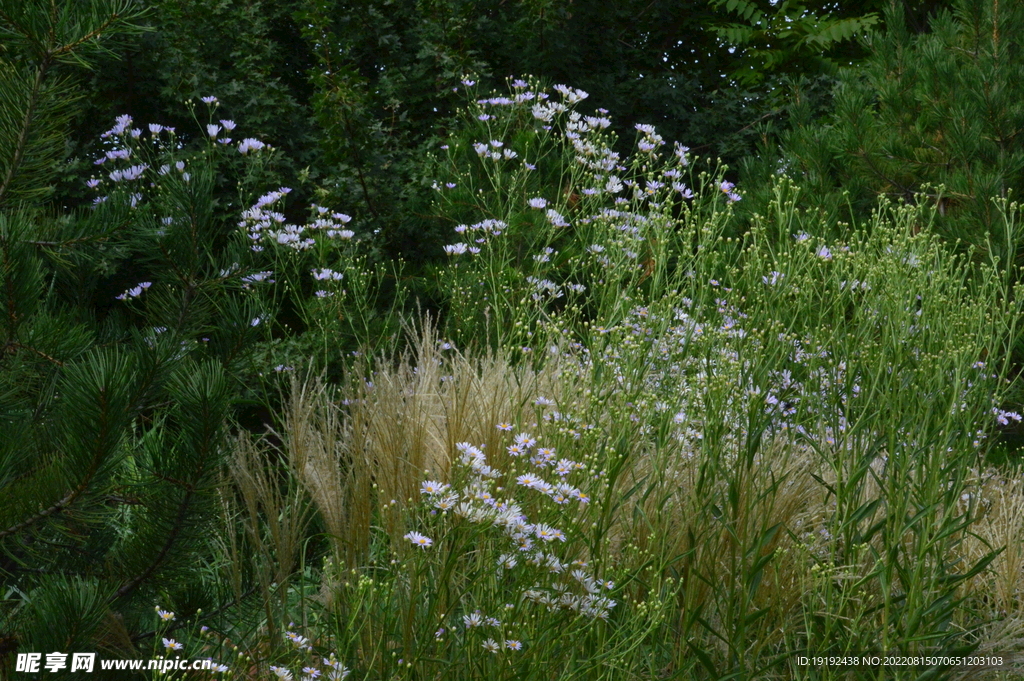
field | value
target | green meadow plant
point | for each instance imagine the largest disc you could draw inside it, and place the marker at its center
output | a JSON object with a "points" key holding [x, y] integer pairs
{"points": [[554, 226], [376, 615], [811, 318], [895, 379], [715, 455], [746, 483], [484, 591]]}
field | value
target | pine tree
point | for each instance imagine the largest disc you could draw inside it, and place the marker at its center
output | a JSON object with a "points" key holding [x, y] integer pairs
{"points": [[935, 116], [112, 412]]}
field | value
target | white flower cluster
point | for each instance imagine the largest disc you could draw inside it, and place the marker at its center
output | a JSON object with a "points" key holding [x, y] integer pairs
{"points": [[1004, 417], [494, 150], [544, 289], [556, 219], [650, 140], [331, 223], [256, 278], [212, 129], [477, 503], [330, 669], [135, 291], [250, 144], [264, 225], [571, 95], [546, 111], [123, 127], [485, 228], [123, 135], [326, 274]]}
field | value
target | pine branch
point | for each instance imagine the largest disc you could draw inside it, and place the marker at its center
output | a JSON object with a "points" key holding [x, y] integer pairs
{"points": [[11, 346], [71, 496], [203, 442], [172, 537], [95, 33], [26, 126], [12, 311], [18, 28], [56, 508], [90, 386]]}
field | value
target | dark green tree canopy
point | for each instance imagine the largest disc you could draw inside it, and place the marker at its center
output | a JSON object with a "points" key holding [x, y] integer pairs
{"points": [[924, 111]]}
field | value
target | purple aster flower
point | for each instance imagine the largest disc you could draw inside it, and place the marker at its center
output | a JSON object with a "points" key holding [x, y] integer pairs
{"points": [[135, 172], [250, 144]]}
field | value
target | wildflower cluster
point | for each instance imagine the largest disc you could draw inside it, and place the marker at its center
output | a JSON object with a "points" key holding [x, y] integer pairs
{"points": [[263, 224], [486, 228], [135, 291], [294, 247], [314, 667], [1003, 417], [493, 151], [169, 646], [609, 228], [168, 186], [528, 545], [123, 162], [133, 155], [649, 139]]}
